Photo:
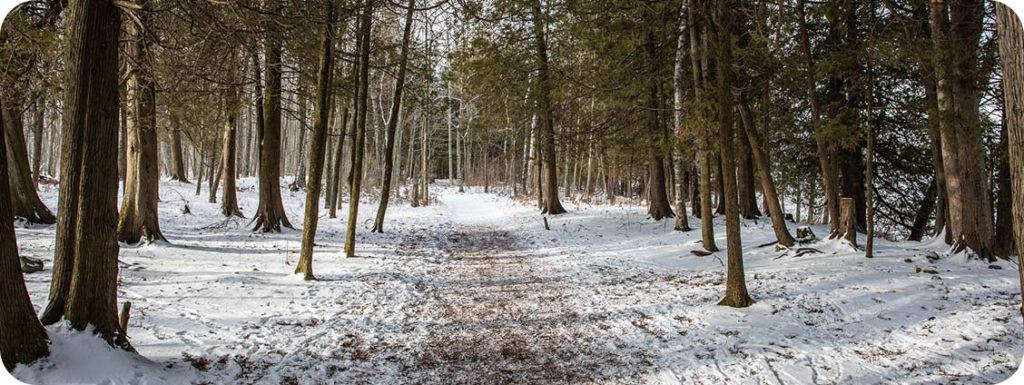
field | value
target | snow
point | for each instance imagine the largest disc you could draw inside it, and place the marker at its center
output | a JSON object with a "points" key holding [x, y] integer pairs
{"points": [[473, 289]]}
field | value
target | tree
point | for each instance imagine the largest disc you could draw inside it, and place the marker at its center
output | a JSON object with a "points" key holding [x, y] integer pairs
{"points": [[359, 130], [270, 215], [552, 205], [1011, 50], [84, 286], [229, 202], [139, 219], [678, 115], [396, 105], [25, 202], [736, 286], [659, 207], [318, 143], [24, 339], [707, 217]]}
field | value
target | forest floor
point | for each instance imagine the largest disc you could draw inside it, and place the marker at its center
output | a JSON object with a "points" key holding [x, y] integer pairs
{"points": [[473, 289]]}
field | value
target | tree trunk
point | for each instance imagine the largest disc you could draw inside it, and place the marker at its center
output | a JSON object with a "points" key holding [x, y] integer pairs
{"points": [[335, 189], [25, 202], [848, 220], [270, 215], [139, 220], [318, 144], [178, 171], [659, 206], [229, 202], [389, 152], [1011, 50], [869, 250], [84, 285], [707, 216], [764, 172], [552, 205], [359, 133], [37, 140], [736, 286], [826, 151], [24, 339], [745, 178]]}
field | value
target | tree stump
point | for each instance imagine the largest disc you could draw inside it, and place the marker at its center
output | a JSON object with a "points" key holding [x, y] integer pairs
{"points": [[805, 234], [848, 220]]}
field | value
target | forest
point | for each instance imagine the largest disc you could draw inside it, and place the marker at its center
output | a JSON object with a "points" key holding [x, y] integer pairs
{"points": [[511, 191]]}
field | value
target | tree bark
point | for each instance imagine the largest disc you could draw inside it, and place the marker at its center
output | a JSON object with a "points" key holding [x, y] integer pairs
{"points": [[139, 220], [706, 215], [178, 171], [552, 205], [736, 286], [24, 339], [678, 118], [229, 201], [659, 207], [25, 202], [396, 108], [359, 133], [764, 172], [84, 285], [318, 144], [270, 215], [1011, 50], [37, 140], [826, 151]]}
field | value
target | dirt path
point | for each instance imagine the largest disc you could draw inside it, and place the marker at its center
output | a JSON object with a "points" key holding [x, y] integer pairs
{"points": [[493, 312]]}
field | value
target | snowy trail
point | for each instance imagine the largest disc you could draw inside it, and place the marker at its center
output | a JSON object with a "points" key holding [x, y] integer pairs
{"points": [[474, 290]]}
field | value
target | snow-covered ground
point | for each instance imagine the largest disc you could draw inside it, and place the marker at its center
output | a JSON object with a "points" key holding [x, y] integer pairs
{"points": [[474, 290]]}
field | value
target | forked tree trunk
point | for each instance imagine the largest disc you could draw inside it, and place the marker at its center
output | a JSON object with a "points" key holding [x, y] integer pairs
{"points": [[396, 108], [707, 216], [736, 286], [551, 203], [1011, 50], [139, 220], [25, 202], [24, 339], [318, 144], [270, 216], [764, 172], [84, 285], [359, 132]]}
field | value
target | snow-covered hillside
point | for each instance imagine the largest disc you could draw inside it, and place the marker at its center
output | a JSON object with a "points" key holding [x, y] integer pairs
{"points": [[474, 290]]}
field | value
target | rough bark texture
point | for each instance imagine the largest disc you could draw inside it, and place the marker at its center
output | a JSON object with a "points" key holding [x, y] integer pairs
{"points": [[335, 189], [1011, 50], [25, 202], [678, 119], [1004, 246], [848, 220], [229, 201], [764, 173], [318, 144], [955, 33], [270, 215], [547, 124], [659, 207], [37, 140], [359, 130], [707, 225], [84, 285], [24, 339], [826, 151], [139, 219], [178, 170], [736, 286], [396, 108]]}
